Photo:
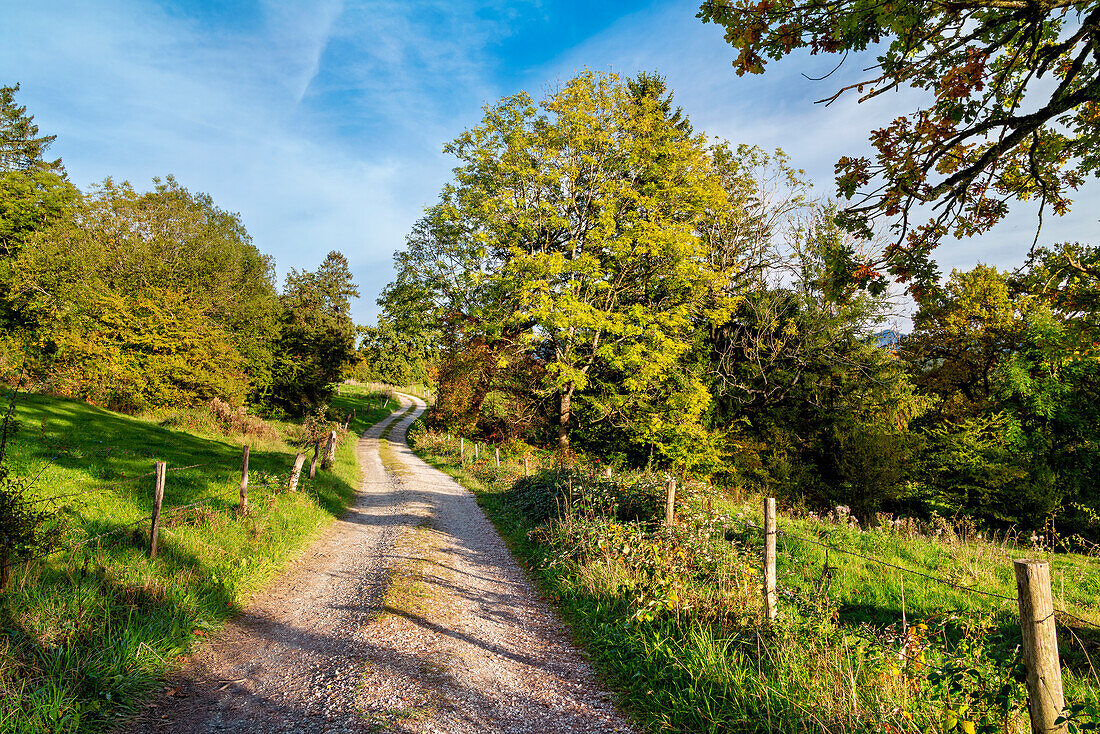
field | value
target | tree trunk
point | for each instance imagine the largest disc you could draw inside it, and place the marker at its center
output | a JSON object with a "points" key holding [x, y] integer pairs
{"points": [[481, 391], [564, 415]]}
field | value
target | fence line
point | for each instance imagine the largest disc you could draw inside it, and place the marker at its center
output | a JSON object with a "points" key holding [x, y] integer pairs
{"points": [[14, 562], [1034, 600], [937, 579]]}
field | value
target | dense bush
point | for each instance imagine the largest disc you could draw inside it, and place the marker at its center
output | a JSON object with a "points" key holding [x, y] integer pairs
{"points": [[550, 494]]}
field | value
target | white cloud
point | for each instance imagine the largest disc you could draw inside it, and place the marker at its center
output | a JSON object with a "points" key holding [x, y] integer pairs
{"points": [[322, 122]]}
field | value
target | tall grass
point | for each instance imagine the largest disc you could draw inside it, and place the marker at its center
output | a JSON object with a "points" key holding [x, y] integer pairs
{"points": [[85, 635], [671, 616]]}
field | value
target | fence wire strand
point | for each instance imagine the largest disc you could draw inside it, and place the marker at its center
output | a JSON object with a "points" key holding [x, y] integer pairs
{"points": [[937, 579]]}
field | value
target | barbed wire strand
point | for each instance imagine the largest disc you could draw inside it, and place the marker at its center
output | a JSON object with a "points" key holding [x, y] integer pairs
{"points": [[147, 518], [881, 562], [181, 508], [937, 579], [192, 466]]}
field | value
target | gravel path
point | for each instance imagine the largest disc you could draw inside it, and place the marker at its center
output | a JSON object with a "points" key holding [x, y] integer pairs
{"points": [[408, 615]]}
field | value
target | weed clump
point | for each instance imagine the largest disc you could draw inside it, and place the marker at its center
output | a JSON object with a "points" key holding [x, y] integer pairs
{"points": [[239, 421]]}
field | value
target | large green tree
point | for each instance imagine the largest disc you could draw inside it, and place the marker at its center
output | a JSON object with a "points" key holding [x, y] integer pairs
{"points": [[316, 340], [34, 195], [816, 407], [573, 232], [146, 299], [1009, 110]]}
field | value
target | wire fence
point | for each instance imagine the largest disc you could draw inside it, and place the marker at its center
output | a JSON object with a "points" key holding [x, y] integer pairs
{"points": [[1038, 616], [909, 571], [128, 484]]}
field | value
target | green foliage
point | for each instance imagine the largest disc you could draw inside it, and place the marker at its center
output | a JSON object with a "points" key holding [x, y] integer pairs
{"points": [[147, 300], [567, 269], [34, 195], [389, 356], [1008, 108], [25, 525], [316, 340], [1011, 366], [798, 376], [553, 493], [88, 636]]}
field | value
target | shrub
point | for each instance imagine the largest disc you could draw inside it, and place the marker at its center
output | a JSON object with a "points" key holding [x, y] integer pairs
{"points": [[239, 421], [547, 494], [316, 426]]}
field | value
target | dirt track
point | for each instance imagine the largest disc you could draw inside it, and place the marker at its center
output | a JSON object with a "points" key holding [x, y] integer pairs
{"points": [[407, 615]]}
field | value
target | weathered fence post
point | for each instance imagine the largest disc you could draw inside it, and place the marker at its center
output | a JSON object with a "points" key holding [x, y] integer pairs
{"points": [[158, 500], [607, 472], [497, 455], [462, 449], [330, 451], [769, 559], [476, 456], [1039, 629], [313, 462], [295, 472], [670, 501], [244, 480]]}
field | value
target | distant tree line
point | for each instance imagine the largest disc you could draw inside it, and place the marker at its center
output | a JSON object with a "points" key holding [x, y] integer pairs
{"points": [[142, 300], [599, 277]]}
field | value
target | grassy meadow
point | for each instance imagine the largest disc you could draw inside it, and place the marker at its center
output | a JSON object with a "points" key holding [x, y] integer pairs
{"points": [[88, 633], [671, 616]]}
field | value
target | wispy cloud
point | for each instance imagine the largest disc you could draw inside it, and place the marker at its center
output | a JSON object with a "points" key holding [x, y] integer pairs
{"points": [[322, 121]]}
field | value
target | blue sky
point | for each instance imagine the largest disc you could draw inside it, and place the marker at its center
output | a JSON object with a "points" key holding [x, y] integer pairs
{"points": [[322, 122]]}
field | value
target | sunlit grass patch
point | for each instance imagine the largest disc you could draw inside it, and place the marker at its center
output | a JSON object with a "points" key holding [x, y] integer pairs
{"points": [[86, 634], [672, 616]]}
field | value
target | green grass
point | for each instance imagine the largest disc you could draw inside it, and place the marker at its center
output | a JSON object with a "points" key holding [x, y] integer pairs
{"points": [[87, 635], [672, 618]]}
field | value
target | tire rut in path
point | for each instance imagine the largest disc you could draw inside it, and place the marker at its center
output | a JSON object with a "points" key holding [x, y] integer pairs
{"points": [[461, 643]]}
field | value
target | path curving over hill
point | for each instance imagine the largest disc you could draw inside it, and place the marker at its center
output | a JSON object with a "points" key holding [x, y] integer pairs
{"points": [[408, 615]]}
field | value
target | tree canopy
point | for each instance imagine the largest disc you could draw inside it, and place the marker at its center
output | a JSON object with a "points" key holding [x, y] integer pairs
{"points": [[1011, 110], [592, 233], [316, 340]]}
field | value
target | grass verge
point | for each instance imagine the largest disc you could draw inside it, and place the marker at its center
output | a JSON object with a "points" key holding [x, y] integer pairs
{"points": [[671, 616], [84, 636]]}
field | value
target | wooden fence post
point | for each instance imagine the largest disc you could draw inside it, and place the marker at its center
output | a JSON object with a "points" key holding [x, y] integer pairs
{"points": [[158, 500], [244, 480], [313, 463], [475, 451], [330, 451], [607, 472], [670, 501], [295, 472], [462, 449], [1045, 700], [497, 455], [769, 559]]}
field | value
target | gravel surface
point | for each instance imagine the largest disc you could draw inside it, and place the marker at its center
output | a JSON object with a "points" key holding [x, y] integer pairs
{"points": [[408, 615]]}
